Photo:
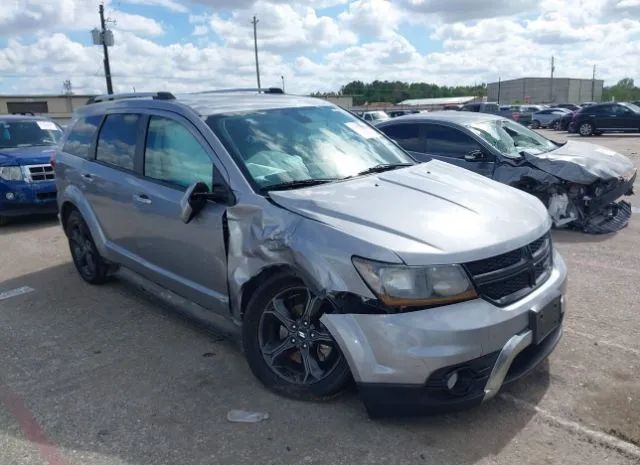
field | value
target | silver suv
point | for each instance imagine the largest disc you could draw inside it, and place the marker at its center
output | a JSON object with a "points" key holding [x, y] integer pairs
{"points": [[334, 254]]}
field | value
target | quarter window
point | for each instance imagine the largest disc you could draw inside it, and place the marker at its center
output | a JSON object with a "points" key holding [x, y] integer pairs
{"points": [[117, 140], [406, 135], [81, 136], [449, 142], [173, 155]]}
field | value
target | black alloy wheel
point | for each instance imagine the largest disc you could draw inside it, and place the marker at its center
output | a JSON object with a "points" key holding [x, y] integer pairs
{"points": [[288, 347]]}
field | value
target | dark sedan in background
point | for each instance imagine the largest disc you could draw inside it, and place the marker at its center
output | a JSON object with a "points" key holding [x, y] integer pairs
{"points": [[580, 183]]}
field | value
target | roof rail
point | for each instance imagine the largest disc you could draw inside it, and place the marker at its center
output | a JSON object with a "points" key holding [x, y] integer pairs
{"points": [[111, 97], [263, 90]]}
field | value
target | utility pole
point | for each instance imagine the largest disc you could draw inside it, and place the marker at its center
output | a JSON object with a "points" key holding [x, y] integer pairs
{"points": [[553, 68], [255, 46], [593, 84], [499, 83], [282, 77], [107, 67]]}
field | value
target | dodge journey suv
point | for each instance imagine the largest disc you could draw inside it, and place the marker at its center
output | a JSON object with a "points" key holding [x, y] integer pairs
{"points": [[333, 253]]}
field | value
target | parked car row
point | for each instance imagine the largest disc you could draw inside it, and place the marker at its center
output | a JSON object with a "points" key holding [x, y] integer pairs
{"points": [[423, 268], [327, 248]]}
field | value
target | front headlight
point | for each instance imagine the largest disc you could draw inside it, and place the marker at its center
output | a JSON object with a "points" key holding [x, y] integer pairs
{"points": [[11, 173], [401, 285]]}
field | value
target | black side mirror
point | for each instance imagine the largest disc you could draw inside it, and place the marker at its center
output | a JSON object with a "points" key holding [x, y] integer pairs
{"points": [[475, 155], [196, 197]]}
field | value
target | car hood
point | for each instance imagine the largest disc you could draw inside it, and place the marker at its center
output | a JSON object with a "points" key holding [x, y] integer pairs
{"points": [[26, 155], [582, 163], [429, 213]]}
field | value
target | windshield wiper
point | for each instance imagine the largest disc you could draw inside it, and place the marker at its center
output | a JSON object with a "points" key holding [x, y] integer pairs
{"points": [[383, 167], [296, 184]]}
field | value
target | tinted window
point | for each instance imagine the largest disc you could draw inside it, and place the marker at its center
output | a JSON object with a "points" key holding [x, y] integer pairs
{"points": [[81, 136], [117, 140], [472, 107], [620, 110], [172, 154], [449, 142], [407, 136], [600, 109]]}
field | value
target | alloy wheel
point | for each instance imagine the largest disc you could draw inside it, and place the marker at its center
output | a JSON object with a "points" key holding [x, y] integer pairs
{"points": [[294, 343], [82, 250]]}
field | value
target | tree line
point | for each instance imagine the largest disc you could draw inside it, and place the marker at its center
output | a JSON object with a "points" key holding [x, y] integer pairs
{"points": [[396, 91]]}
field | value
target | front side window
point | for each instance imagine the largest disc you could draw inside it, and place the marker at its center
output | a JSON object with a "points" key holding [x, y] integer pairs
{"points": [[173, 155], [511, 138], [28, 133], [81, 136], [317, 143], [406, 135], [117, 140], [448, 142]]}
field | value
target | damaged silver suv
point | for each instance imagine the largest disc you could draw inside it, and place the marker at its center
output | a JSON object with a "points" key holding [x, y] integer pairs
{"points": [[334, 255]]}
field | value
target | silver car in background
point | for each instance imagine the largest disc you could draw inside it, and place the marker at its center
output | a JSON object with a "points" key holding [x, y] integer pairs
{"points": [[545, 118], [319, 242]]}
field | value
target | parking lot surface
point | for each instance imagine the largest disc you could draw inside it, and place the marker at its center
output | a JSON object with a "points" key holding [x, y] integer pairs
{"points": [[105, 375]]}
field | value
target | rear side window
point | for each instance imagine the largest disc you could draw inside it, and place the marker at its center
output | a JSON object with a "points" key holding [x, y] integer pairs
{"points": [[81, 136], [406, 135], [173, 155], [117, 140], [449, 142]]}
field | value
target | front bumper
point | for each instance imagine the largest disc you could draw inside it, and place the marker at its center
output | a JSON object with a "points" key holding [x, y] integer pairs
{"points": [[27, 198], [401, 359]]}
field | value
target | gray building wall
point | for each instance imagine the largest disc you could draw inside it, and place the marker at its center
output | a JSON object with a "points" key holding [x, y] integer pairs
{"points": [[543, 90]]}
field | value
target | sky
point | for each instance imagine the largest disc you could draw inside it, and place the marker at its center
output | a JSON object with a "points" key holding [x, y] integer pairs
{"points": [[317, 45]]}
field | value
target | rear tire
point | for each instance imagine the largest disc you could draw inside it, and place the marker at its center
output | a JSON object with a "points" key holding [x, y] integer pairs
{"points": [[90, 265], [586, 129], [4, 220], [535, 124], [286, 345], [557, 126]]}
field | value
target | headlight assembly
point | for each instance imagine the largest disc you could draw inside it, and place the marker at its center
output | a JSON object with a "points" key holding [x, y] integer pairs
{"points": [[11, 173], [401, 285]]}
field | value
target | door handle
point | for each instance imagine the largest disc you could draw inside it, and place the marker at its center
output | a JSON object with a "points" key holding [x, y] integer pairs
{"points": [[142, 198], [87, 177]]}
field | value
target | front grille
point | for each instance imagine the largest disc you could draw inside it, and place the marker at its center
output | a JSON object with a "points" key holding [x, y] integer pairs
{"points": [[510, 276], [39, 173]]}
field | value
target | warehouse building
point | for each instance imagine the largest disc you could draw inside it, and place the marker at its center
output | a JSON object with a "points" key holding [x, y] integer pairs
{"points": [[545, 90], [57, 107]]}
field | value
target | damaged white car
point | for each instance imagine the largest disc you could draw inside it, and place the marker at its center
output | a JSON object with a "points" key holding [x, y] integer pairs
{"points": [[322, 244], [580, 183]]}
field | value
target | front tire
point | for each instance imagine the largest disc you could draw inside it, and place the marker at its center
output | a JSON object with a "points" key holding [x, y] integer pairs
{"points": [[557, 126], [535, 124], [586, 129], [286, 345], [4, 220], [90, 265]]}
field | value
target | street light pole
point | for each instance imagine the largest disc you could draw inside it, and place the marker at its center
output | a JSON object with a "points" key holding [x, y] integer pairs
{"points": [[107, 67], [255, 46], [282, 77]]}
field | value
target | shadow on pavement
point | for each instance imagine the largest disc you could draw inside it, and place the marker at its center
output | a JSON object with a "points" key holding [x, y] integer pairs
{"points": [[28, 223], [113, 377]]}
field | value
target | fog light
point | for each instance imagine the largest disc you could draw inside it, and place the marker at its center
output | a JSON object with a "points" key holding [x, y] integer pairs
{"points": [[10, 195], [452, 379]]}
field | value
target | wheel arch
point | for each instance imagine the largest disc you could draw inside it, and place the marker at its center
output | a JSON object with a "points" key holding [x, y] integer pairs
{"points": [[73, 199], [249, 288]]}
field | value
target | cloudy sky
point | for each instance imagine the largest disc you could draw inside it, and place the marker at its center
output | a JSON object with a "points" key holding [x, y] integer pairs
{"points": [[182, 45]]}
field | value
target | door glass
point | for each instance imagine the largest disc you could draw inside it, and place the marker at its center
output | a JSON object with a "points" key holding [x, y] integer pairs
{"points": [[117, 140], [406, 135], [81, 136], [449, 142], [173, 155]]}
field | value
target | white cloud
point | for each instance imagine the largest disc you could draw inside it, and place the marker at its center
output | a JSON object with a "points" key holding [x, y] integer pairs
{"points": [[378, 18], [168, 4]]}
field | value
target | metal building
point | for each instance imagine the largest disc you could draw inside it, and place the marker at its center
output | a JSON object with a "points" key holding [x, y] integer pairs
{"points": [[545, 90], [56, 107]]}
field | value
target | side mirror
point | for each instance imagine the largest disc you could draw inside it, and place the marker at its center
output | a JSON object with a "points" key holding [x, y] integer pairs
{"points": [[196, 197], [475, 155]]}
